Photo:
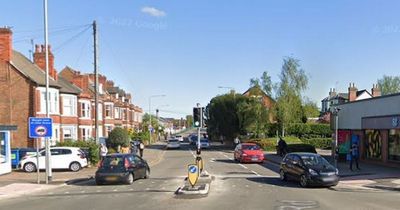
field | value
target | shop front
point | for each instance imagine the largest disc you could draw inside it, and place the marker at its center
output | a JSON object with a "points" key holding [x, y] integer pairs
{"points": [[382, 139]]}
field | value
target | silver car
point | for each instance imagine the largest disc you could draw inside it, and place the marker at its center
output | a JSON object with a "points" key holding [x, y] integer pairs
{"points": [[173, 144]]}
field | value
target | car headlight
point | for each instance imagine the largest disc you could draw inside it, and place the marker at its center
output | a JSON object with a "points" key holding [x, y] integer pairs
{"points": [[337, 172], [244, 154], [312, 172]]}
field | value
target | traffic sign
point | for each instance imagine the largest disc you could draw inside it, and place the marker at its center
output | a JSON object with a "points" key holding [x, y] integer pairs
{"points": [[40, 127], [193, 174]]}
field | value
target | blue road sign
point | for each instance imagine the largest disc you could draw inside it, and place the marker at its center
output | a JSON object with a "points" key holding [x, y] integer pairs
{"points": [[193, 169], [40, 127]]}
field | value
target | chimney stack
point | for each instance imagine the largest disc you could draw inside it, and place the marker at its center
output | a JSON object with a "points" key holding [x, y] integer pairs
{"points": [[376, 91], [352, 93], [39, 58], [5, 44]]}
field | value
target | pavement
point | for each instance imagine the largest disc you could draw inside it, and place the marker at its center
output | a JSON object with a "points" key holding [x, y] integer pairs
{"points": [[19, 183], [371, 176]]}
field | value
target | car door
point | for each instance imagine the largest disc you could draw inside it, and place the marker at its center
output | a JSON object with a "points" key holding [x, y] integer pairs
{"points": [[56, 158], [42, 159], [298, 169], [135, 163], [66, 158], [287, 165]]}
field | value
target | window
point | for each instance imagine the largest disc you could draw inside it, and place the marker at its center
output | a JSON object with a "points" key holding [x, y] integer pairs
{"points": [[85, 109], [3, 152], [116, 113], [53, 101], [86, 133], [66, 151], [108, 108], [394, 145], [373, 144], [100, 111], [69, 105], [69, 133], [108, 130]]}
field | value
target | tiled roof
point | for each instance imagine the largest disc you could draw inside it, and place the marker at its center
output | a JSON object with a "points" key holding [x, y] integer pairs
{"points": [[31, 70], [67, 87]]}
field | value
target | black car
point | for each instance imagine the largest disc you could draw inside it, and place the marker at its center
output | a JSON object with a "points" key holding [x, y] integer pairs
{"points": [[308, 168], [123, 168]]}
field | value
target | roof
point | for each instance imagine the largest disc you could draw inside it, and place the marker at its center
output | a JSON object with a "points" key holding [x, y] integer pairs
{"points": [[67, 87], [257, 89], [361, 92], [31, 70]]}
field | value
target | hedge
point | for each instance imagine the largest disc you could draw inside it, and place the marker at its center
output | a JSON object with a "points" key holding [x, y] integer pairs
{"points": [[309, 129], [89, 146], [322, 143], [301, 148]]}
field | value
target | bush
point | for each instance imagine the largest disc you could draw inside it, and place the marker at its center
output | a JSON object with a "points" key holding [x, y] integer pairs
{"points": [[322, 143], [118, 136], [269, 144], [301, 148], [90, 148], [309, 130]]}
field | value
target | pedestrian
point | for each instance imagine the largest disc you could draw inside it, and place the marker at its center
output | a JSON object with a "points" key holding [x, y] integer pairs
{"points": [[354, 155], [221, 138], [134, 147], [141, 148], [282, 147], [103, 151], [236, 141]]}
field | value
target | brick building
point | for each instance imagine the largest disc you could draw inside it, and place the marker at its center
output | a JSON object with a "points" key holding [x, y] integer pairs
{"points": [[71, 97]]}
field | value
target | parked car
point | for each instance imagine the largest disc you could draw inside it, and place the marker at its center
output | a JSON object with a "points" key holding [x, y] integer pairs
{"points": [[123, 168], [17, 154], [179, 137], [308, 168], [72, 158], [204, 143], [248, 152], [173, 144]]}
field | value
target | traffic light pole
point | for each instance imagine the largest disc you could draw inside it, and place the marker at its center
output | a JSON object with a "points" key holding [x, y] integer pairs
{"points": [[198, 132]]}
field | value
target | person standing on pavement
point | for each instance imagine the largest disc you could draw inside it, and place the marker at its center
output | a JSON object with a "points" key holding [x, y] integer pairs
{"points": [[141, 148], [103, 151], [282, 147], [354, 154], [236, 141]]}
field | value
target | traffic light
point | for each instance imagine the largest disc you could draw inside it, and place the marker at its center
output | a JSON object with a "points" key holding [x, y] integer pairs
{"points": [[196, 116]]}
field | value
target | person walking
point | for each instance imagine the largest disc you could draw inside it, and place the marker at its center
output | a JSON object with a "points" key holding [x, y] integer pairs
{"points": [[141, 148], [103, 151], [354, 154], [236, 141], [282, 147]]}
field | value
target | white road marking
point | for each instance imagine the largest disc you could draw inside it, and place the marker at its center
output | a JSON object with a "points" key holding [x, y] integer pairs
{"points": [[115, 190], [212, 160], [98, 191], [67, 192], [242, 166], [255, 173]]}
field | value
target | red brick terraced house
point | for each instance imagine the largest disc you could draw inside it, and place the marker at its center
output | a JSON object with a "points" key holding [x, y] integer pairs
{"points": [[71, 97]]}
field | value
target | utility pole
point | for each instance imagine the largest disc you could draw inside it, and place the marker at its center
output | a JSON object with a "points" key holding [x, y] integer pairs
{"points": [[96, 84], [46, 45]]}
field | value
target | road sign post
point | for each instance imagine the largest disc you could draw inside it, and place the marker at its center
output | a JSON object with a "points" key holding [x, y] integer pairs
{"points": [[41, 128]]}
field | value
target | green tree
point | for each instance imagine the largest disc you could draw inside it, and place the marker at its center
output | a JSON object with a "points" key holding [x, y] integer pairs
{"points": [[118, 137], [389, 84], [189, 121], [310, 109], [264, 83], [293, 81]]}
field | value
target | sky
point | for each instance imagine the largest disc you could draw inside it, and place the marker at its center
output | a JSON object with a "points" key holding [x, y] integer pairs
{"points": [[187, 49]]}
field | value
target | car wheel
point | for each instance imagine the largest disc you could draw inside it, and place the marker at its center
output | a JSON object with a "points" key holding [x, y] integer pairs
{"points": [[282, 175], [129, 179], [147, 174], [303, 181], [75, 166], [98, 182], [29, 167]]}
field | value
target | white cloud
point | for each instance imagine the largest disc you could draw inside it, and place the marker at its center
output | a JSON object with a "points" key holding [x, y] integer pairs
{"points": [[153, 12]]}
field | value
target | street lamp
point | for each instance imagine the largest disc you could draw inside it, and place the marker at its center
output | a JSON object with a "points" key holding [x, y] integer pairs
{"points": [[158, 119], [152, 96], [335, 151]]}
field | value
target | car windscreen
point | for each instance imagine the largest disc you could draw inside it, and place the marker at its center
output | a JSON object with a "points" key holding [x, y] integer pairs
{"points": [[313, 160], [251, 147], [113, 161]]}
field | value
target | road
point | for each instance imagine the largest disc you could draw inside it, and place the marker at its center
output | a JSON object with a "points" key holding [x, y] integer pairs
{"points": [[236, 186]]}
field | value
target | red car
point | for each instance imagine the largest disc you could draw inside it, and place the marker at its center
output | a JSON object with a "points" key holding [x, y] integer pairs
{"points": [[248, 152]]}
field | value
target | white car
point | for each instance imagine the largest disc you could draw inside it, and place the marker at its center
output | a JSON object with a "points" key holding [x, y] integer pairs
{"points": [[72, 158], [204, 144], [173, 144], [179, 137]]}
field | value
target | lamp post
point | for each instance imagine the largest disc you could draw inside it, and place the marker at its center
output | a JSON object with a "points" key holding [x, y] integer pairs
{"points": [[335, 151], [152, 96], [158, 119]]}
